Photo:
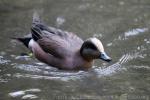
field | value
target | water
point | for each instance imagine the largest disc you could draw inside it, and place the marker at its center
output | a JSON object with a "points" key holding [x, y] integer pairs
{"points": [[122, 25]]}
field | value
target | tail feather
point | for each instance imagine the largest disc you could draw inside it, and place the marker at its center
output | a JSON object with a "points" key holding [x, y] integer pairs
{"points": [[25, 41]]}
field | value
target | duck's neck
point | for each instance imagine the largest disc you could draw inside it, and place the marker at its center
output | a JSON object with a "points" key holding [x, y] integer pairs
{"points": [[80, 63]]}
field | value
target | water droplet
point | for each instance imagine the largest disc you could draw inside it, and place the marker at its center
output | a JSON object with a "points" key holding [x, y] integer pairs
{"points": [[33, 90], [109, 44], [60, 21], [121, 3]]}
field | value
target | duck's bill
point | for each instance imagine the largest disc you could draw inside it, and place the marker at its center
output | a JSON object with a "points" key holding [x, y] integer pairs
{"points": [[105, 57]]}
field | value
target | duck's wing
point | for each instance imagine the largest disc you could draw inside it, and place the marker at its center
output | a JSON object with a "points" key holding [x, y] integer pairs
{"points": [[68, 36], [55, 46], [53, 43], [59, 32]]}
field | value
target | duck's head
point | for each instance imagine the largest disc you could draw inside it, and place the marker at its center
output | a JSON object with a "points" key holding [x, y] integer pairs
{"points": [[93, 48]]}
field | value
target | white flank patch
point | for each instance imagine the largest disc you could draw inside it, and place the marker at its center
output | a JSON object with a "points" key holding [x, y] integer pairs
{"points": [[31, 43]]}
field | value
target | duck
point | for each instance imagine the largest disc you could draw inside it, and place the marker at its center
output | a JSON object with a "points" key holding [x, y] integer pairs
{"points": [[62, 49]]}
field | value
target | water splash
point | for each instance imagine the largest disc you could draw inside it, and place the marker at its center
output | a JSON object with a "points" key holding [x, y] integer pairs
{"points": [[60, 21], [3, 80], [29, 96], [49, 73], [84, 6], [116, 66], [4, 61], [141, 67], [63, 76], [109, 44], [16, 94], [135, 32], [29, 68], [27, 58], [43, 71], [98, 35], [24, 93], [131, 33], [127, 57], [147, 41], [33, 90]]}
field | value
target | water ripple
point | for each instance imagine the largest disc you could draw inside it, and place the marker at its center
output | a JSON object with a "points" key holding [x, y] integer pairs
{"points": [[3, 80], [116, 66], [131, 33], [24, 93], [3, 61], [60, 21], [127, 57], [50, 73], [65, 76], [46, 72], [30, 68], [135, 32], [29, 96]]}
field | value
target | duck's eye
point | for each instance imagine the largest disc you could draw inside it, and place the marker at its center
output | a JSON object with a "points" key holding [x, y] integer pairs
{"points": [[91, 46]]}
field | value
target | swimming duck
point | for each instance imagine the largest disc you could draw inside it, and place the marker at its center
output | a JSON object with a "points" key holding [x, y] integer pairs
{"points": [[61, 49]]}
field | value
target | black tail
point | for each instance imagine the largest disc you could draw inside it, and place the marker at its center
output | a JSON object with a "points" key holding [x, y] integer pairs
{"points": [[25, 41]]}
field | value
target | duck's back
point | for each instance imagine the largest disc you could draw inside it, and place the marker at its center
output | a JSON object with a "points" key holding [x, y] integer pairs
{"points": [[55, 41]]}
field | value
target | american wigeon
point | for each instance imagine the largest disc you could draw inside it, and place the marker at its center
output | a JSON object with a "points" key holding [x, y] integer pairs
{"points": [[61, 49]]}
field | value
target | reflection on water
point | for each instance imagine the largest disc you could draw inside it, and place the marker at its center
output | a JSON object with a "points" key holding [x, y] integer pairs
{"points": [[25, 94], [3, 61], [52, 73], [122, 26]]}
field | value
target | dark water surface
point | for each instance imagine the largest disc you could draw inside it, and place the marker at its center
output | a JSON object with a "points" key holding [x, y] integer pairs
{"points": [[122, 25]]}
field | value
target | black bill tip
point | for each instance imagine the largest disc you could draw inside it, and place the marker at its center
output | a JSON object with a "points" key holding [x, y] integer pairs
{"points": [[105, 57]]}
